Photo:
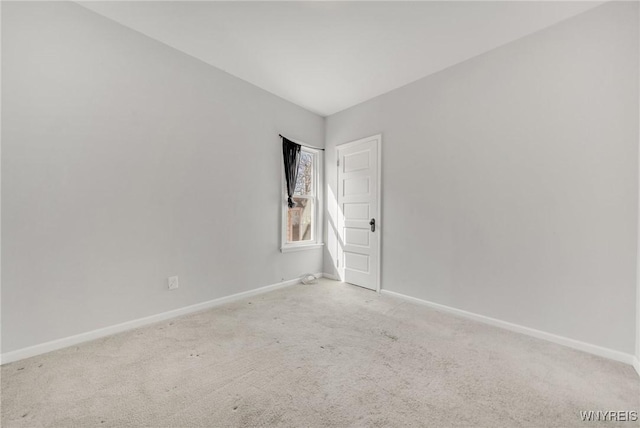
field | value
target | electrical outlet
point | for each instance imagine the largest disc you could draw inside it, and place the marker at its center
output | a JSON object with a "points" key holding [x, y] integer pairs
{"points": [[173, 282]]}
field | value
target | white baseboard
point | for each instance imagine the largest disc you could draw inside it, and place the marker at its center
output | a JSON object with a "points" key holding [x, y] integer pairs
{"points": [[571, 343], [53, 345], [65, 342]]}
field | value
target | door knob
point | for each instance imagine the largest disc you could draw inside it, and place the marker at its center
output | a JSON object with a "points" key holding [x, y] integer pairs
{"points": [[372, 223]]}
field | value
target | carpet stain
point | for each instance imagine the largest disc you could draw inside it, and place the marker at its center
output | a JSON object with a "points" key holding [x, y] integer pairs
{"points": [[390, 336]]}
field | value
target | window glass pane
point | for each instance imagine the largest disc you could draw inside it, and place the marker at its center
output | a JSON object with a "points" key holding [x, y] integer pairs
{"points": [[304, 184], [299, 220]]}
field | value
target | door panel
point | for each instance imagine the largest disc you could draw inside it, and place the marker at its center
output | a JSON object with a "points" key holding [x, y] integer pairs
{"points": [[353, 236], [356, 162], [356, 211], [359, 262], [356, 186]]}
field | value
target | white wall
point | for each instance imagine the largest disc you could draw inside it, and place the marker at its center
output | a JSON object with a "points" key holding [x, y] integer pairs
{"points": [[637, 363], [510, 181], [125, 162]]}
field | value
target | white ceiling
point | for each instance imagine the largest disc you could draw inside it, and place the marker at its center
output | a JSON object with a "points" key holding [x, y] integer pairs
{"points": [[328, 56]]}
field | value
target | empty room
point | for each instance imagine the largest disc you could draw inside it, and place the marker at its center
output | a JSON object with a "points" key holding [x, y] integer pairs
{"points": [[320, 214]]}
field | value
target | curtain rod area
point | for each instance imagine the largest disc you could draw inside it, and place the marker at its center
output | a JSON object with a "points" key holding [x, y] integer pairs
{"points": [[304, 145]]}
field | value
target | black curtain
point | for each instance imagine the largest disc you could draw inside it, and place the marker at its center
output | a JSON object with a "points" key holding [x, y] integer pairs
{"points": [[291, 154]]}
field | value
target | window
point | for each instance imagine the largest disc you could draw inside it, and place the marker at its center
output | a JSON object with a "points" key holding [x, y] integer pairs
{"points": [[300, 224]]}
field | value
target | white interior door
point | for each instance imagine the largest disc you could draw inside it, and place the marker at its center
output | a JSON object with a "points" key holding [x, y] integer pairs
{"points": [[359, 212]]}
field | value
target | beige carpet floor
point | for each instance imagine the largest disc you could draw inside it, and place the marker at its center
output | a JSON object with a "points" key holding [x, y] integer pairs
{"points": [[330, 355]]}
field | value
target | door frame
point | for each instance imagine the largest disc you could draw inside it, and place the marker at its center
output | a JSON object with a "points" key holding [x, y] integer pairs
{"points": [[378, 138]]}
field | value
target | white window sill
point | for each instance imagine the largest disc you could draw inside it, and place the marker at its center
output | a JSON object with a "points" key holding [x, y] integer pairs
{"points": [[300, 247]]}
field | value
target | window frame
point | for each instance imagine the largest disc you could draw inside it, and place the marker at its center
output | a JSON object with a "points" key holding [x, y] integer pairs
{"points": [[316, 221]]}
